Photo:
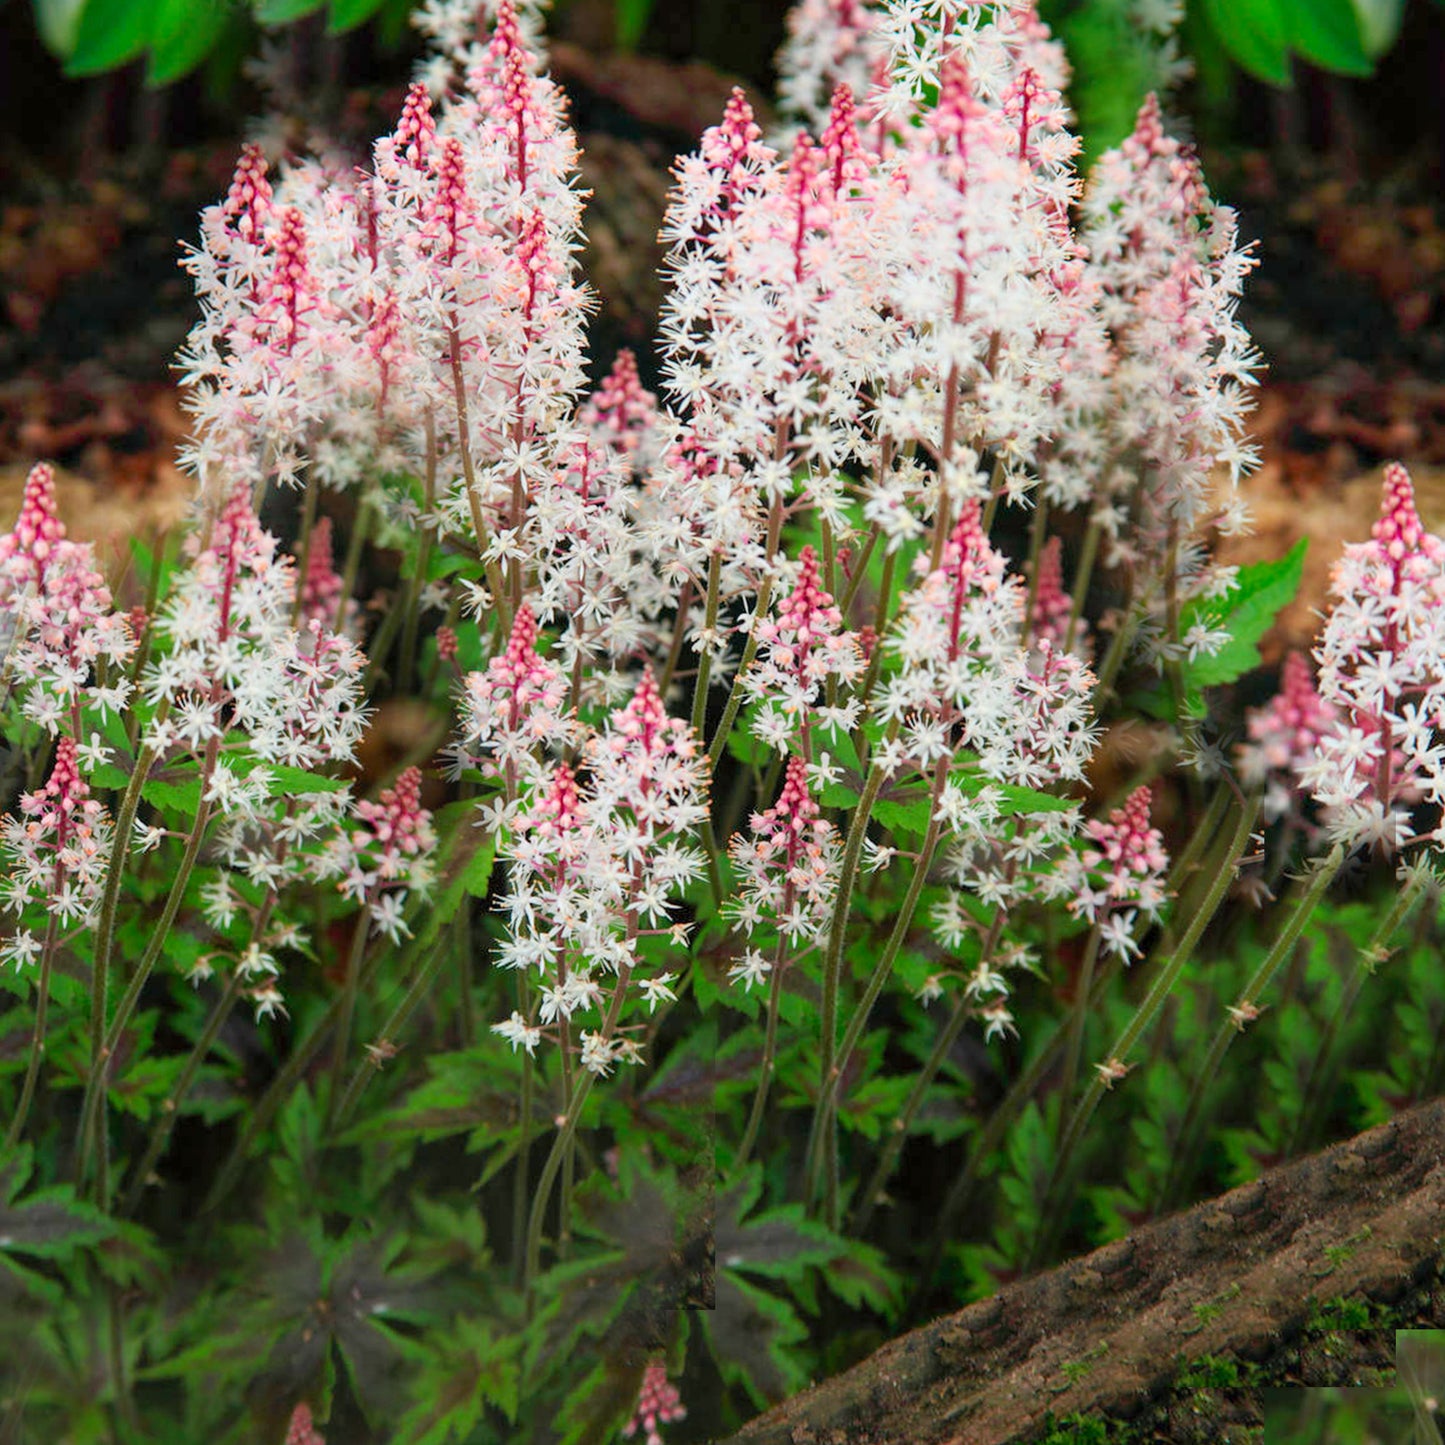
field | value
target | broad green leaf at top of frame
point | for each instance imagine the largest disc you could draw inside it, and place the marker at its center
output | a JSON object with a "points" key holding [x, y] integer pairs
{"points": [[346, 15], [1328, 33], [185, 33], [283, 12], [1255, 33], [109, 33]]}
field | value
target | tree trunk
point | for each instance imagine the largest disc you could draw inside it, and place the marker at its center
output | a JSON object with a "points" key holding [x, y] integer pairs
{"points": [[1235, 1275]]}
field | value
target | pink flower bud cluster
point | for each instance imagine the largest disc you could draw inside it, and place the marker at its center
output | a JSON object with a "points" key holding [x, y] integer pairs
{"points": [[323, 588], [301, 1429], [658, 1404], [58, 612], [621, 412], [1120, 876], [1283, 735], [386, 855], [517, 706], [56, 851], [1382, 670], [25, 552], [787, 868], [1053, 606], [801, 649]]}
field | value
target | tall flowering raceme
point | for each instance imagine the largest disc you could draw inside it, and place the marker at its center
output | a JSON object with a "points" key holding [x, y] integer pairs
{"points": [[769, 327], [805, 656], [236, 694], [1169, 269], [56, 609], [231, 659], [57, 848], [969, 695], [512, 359], [596, 862], [1382, 673], [787, 868], [978, 252]]}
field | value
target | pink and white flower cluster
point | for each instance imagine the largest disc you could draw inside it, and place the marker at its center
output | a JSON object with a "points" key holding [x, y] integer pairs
{"points": [[67, 644], [385, 855], [56, 851], [1382, 674], [1120, 876], [787, 874], [596, 860]]}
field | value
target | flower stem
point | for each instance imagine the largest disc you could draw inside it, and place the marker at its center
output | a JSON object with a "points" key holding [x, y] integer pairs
{"points": [[299, 1060], [1318, 1090], [765, 1070], [833, 972], [1077, 1019], [390, 1030], [1088, 555], [563, 1142], [735, 694], [303, 556], [37, 1037], [520, 1178], [1233, 1024], [349, 989], [360, 527], [888, 1159], [883, 969], [1051, 1218], [170, 1105], [411, 603]]}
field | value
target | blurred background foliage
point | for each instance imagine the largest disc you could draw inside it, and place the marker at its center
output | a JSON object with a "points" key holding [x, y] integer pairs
{"points": [[1115, 45]]}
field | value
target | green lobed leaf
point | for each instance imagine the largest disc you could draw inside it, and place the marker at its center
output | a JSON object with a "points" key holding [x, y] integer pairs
{"points": [[903, 817], [172, 796], [460, 1374], [1247, 611], [752, 1335], [288, 781], [598, 1405]]}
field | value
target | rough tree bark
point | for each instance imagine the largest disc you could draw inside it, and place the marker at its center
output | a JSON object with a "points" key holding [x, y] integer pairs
{"points": [[1234, 1275]]}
